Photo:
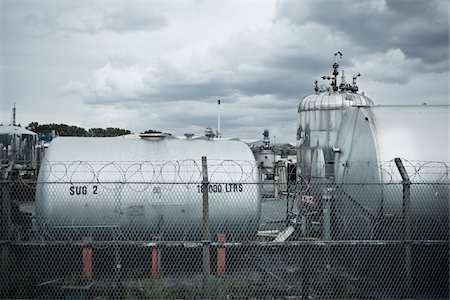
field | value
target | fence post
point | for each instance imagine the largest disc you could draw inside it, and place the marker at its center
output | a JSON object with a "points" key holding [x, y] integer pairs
{"points": [[206, 233], [406, 222], [5, 226]]}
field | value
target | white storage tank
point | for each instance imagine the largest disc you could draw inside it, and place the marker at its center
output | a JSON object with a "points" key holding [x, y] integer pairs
{"points": [[147, 187], [369, 139]]}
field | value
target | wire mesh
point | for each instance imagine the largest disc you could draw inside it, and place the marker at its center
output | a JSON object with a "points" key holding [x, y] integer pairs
{"points": [[137, 230]]}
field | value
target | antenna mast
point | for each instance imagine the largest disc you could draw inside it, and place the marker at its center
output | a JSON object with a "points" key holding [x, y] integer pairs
{"points": [[219, 134], [14, 115]]}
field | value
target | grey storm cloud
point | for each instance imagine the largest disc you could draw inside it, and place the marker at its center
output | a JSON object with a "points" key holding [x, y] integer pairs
{"points": [[134, 19], [419, 28], [382, 32], [234, 118], [75, 19], [163, 65], [280, 84], [268, 83], [296, 61], [193, 91]]}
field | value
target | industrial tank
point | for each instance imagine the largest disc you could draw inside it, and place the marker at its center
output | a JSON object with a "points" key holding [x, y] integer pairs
{"points": [[368, 141], [319, 117], [20, 144], [265, 157], [149, 187]]}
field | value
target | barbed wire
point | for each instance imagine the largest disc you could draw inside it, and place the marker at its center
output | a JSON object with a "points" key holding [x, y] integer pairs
{"points": [[190, 171], [379, 172], [175, 171], [418, 171]]}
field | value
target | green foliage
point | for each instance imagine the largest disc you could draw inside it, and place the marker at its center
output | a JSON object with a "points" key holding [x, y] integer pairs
{"points": [[68, 130], [154, 131], [100, 132], [151, 131]]}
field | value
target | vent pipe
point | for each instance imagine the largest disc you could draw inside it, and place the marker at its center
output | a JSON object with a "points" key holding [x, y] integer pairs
{"points": [[14, 115]]}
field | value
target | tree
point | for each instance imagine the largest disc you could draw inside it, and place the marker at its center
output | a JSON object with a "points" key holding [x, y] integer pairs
{"points": [[33, 126], [71, 130], [154, 131], [108, 132]]}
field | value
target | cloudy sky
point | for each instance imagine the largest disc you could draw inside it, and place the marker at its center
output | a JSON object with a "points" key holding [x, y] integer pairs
{"points": [[164, 64]]}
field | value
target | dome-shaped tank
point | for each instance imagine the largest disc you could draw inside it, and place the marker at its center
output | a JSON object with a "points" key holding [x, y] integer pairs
{"points": [[147, 187], [319, 117]]}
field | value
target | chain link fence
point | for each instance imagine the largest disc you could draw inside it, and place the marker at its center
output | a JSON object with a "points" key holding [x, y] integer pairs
{"points": [[170, 230]]}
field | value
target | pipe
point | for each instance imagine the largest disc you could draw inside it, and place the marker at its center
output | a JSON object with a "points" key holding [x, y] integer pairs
{"points": [[155, 263], [219, 133], [87, 258], [221, 255]]}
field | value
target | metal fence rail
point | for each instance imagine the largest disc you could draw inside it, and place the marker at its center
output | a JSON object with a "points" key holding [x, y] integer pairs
{"points": [[152, 239]]}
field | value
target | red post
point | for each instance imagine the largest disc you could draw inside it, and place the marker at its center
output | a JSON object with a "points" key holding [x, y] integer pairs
{"points": [[87, 259], [155, 273], [221, 256]]}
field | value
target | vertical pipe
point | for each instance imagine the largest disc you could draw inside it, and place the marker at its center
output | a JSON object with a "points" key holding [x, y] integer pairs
{"points": [[87, 258], [14, 115], [219, 134], [326, 208], [155, 263], [303, 225], [406, 223], [206, 232], [221, 256]]}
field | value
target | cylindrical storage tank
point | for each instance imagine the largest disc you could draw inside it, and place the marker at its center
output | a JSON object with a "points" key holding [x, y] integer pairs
{"points": [[369, 139], [265, 158], [147, 188], [319, 117], [21, 144]]}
